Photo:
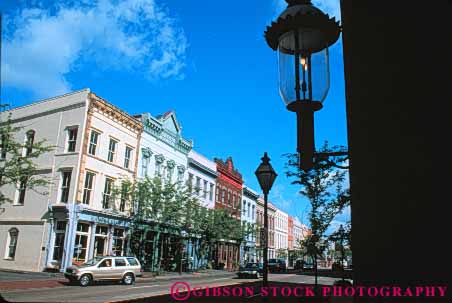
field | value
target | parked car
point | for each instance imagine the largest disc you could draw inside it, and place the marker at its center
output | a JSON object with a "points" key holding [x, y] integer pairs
{"points": [[337, 266], [276, 265], [307, 266], [255, 270], [124, 269], [298, 264]]}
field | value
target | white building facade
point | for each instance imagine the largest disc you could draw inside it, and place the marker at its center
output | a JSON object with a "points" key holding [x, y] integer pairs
{"points": [[249, 216], [281, 234], [163, 150], [202, 177], [76, 217], [298, 234]]}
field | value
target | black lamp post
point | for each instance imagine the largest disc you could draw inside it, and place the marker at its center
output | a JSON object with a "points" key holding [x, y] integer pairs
{"points": [[302, 35], [266, 175], [341, 232]]}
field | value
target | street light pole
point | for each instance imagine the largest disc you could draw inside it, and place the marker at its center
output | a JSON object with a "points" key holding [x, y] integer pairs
{"points": [[265, 281], [266, 176], [341, 234]]}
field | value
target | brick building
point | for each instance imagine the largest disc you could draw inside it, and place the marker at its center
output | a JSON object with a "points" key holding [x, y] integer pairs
{"points": [[228, 195]]}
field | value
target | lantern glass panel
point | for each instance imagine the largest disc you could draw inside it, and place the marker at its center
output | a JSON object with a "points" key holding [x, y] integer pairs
{"points": [[312, 69]]}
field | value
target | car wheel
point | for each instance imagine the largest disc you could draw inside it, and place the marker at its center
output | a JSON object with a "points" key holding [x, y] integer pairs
{"points": [[85, 280], [128, 279]]}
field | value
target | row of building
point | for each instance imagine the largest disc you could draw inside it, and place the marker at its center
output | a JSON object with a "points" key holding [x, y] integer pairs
{"points": [[76, 217]]}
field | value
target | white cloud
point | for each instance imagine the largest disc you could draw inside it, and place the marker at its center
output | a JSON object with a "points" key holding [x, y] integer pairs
{"points": [[43, 46]]}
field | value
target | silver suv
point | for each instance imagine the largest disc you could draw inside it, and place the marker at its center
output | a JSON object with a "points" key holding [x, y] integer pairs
{"points": [[124, 269]]}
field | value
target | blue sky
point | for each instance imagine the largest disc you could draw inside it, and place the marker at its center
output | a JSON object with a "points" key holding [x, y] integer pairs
{"points": [[209, 62]]}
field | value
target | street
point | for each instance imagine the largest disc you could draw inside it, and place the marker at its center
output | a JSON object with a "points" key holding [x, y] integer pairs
{"points": [[144, 288]]}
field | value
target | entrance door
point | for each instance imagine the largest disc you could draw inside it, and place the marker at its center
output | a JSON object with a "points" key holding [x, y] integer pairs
{"points": [[100, 241]]}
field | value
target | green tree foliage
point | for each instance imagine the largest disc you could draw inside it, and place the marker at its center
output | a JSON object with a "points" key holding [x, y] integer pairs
{"points": [[17, 160], [324, 187], [165, 205]]}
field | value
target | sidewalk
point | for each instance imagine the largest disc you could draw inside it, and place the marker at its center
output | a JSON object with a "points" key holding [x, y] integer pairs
{"points": [[149, 276], [15, 280]]}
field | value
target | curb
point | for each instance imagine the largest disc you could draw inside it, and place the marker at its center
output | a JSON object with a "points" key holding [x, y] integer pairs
{"points": [[43, 273], [196, 276]]}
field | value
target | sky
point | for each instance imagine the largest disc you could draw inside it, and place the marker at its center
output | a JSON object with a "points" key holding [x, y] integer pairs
{"points": [[208, 62]]}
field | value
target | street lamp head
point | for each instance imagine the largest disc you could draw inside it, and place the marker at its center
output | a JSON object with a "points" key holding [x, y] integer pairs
{"points": [[301, 35], [341, 229], [265, 174]]}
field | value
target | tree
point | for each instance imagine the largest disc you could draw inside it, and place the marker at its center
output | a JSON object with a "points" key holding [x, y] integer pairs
{"points": [[158, 206], [323, 186], [17, 160]]}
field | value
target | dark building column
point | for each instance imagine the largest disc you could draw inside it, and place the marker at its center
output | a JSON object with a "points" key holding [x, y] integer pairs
{"points": [[395, 56]]}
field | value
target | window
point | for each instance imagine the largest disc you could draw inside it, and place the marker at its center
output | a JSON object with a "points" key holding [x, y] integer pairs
{"points": [[198, 185], [158, 165], [127, 157], [234, 201], [3, 147], [180, 173], [58, 246], [71, 139], [223, 196], [211, 192], [100, 241], [118, 242], [190, 181], [65, 185], [106, 198], [88, 187], [132, 261], [144, 166], [124, 194], [244, 207], [120, 262], [252, 213], [29, 142], [112, 150], [81, 242], [205, 189], [170, 169], [249, 211], [105, 263], [93, 142], [229, 198], [10, 253], [21, 191]]}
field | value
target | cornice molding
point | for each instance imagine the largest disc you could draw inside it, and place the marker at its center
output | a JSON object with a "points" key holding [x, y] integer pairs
{"points": [[195, 164], [112, 112], [155, 128]]}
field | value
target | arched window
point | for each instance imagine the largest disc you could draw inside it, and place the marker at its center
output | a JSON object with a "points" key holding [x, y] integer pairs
{"points": [[29, 142], [11, 243]]}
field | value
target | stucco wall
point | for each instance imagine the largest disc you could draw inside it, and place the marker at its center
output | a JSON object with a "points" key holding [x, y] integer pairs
{"points": [[29, 253]]}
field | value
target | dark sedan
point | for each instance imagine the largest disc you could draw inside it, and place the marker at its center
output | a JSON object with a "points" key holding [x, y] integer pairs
{"points": [[251, 270], [276, 265]]}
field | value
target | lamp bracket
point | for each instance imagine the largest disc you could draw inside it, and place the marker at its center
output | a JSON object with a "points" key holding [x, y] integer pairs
{"points": [[303, 106]]}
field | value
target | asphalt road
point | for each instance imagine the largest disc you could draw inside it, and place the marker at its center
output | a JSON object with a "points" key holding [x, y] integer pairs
{"points": [[110, 292]]}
